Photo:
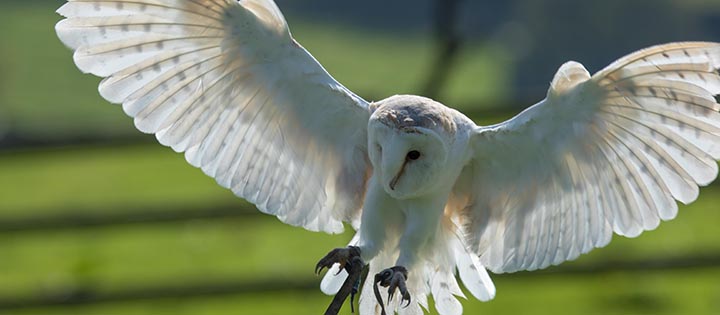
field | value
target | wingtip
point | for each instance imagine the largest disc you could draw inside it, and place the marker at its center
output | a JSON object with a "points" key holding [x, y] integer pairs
{"points": [[268, 12], [567, 77], [61, 10], [62, 32]]}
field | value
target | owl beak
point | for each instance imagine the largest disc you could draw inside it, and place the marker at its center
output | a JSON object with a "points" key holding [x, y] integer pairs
{"points": [[395, 179]]}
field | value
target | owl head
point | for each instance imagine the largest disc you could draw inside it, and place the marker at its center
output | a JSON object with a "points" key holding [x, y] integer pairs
{"points": [[409, 141]]}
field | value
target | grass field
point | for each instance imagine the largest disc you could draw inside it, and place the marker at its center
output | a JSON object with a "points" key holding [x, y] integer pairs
{"points": [[258, 248], [42, 95], [672, 293]]}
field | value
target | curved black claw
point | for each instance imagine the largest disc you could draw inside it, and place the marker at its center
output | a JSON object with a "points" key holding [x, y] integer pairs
{"points": [[349, 259], [341, 256], [394, 279]]}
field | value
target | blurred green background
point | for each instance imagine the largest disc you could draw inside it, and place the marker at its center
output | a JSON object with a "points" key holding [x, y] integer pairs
{"points": [[98, 219]]}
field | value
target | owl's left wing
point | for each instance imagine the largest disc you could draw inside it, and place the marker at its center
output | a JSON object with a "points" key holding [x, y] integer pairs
{"points": [[601, 154], [224, 82]]}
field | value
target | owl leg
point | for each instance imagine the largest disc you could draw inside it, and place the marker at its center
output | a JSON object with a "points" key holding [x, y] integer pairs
{"points": [[394, 279], [349, 259]]}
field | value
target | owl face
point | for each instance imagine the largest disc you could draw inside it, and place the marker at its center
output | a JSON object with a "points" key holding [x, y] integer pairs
{"points": [[407, 162], [408, 152]]}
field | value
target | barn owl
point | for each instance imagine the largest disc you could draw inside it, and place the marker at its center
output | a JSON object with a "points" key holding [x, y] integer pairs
{"points": [[431, 194]]}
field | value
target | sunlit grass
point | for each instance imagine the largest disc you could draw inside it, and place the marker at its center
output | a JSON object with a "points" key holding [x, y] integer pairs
{"points": [[41, 91], [150, 176], [126, 257], [667, 293], [109, 259], [104, 179]]}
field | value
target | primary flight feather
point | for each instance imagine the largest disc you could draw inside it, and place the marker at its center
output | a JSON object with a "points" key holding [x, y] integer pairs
{"points": [[429, 192]]}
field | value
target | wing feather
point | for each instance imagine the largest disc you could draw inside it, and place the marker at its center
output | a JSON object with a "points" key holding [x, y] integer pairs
{"points": [[224, 82], [604, 153]]}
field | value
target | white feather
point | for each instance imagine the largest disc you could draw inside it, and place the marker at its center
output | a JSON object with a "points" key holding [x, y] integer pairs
{"points": [[605, 152], [224, 82], [444, 288], [474, 276]]}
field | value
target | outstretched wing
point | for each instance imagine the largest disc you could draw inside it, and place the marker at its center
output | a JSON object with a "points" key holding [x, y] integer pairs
{"points": [[224, 82], [601, 154]]}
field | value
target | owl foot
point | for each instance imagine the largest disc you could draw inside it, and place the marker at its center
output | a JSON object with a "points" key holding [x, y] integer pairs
{"points": [[394, 279], [341, 256], [349, 259]]}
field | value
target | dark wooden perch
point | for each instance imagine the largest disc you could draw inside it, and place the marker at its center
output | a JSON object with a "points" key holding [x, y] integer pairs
{"points": [[355, 271]]}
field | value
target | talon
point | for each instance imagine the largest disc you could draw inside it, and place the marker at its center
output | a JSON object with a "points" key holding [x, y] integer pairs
{"points": [[379, 279], [394, 279], [406, 297], [349, 260], [320, 267], [338, 255]]}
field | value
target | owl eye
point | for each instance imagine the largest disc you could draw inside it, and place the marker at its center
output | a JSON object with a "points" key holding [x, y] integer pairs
{"points": [[413, 155]]}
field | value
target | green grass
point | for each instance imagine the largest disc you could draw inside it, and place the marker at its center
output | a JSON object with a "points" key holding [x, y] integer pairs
{"points": [[677, 292], [112, 259], [280, 303], [104, 179], [38, 183], [671, 293], [153, 177], [42, 94]]}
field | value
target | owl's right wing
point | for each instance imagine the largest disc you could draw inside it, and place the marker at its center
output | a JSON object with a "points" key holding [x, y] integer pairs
{"points": [[601, 154], [224, 82]]}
